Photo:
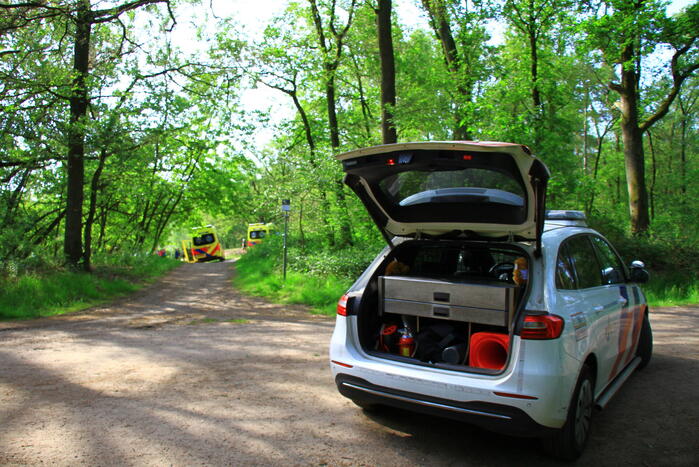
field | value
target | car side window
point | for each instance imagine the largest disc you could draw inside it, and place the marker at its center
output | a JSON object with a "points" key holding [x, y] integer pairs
{"points": [[584, 260], [611, 267], [565, 273]]}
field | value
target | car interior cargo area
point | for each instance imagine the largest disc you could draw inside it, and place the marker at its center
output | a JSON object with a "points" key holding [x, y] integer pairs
{"points": [[447, 304]]}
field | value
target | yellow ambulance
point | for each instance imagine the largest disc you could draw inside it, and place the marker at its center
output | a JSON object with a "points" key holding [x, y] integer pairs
{"points": [[203, 246], [257, 232]]}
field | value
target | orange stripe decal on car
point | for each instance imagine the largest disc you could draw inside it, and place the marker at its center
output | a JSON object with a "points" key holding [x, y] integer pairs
{"points": [[629, 326]]}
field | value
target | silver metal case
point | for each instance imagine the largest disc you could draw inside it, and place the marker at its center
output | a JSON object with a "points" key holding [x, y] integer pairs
{"points": [[475, 302]]}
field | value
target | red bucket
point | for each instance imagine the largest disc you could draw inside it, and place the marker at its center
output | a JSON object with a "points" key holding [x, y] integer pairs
{"points": [[488, 350]]}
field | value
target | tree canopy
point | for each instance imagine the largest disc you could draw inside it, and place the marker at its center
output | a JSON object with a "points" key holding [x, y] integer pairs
{"points": [[123, 123]]}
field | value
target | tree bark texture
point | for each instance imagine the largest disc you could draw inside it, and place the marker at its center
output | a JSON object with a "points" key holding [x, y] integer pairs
{"points": [[533, 50], [388, 72], [332, 52], [79, 101], [632, 137], [92, 209], [439, 20]]}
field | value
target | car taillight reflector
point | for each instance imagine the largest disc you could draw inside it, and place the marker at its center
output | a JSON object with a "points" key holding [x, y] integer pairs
{"points": [[342, 306], [542, 327], [346, 365]]}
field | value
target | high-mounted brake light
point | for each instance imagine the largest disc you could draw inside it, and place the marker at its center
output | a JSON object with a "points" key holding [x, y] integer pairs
{"points": [[342, 306], [542, 327], [391, 162], [467, 157]]}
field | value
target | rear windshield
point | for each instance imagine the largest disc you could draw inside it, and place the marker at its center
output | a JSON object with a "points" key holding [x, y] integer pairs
{"points": [[453, 186], [258, 234], [456, 261], [203, 240], [450, 186]]}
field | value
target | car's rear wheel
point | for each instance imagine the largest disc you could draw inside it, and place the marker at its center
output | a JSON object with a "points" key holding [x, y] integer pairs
{"points": [[645, 343], [570, 441]]}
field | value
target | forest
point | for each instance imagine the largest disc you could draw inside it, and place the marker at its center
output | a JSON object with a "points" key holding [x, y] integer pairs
{"points": [[124, 124]]}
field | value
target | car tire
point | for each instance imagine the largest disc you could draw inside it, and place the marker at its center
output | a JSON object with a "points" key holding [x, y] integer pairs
{"points": [[569, 442], [645, 343]]}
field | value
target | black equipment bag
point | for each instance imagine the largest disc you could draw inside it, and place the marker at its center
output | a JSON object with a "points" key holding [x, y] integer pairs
{"points": [[432, 340]]}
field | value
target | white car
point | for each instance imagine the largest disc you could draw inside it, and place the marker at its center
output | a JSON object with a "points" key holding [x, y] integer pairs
{"points": [[484, 307]]}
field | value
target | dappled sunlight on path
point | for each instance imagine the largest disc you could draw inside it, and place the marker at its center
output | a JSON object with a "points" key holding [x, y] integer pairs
{"points": [[188, 371]]}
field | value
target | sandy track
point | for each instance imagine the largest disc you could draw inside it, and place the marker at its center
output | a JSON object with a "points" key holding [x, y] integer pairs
{"points": [[189, 372]]}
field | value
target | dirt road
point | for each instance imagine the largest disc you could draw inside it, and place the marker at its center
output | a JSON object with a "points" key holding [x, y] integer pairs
{"points": [[188, 372]]}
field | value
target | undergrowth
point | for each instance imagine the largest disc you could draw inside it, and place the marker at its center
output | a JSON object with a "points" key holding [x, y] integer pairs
{"points": [[672, 264], [314, 278], [55, 291]]}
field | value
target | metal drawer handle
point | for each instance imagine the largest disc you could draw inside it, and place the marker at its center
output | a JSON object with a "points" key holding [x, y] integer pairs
{"points": [[441, 311], [441, 297]]}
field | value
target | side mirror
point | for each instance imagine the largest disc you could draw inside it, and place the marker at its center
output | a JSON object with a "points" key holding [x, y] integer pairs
{"points": [[612, 276], [638, 272]]}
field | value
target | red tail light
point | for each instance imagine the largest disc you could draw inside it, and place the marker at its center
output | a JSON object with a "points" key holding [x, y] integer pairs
{"points": [[542, 327], [342, 306]]}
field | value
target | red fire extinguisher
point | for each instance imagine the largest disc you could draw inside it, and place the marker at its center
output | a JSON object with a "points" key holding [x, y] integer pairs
{"points": [[406, 343]]}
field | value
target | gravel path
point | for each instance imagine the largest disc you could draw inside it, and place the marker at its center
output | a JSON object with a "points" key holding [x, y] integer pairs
{"points": [[189, 372]]}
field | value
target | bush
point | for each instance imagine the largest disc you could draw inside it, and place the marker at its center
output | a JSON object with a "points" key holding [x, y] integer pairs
{"points": [[671, 262]]}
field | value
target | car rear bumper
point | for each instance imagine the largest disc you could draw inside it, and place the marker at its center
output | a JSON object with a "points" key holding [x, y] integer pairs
{"points": [[495, 417]]}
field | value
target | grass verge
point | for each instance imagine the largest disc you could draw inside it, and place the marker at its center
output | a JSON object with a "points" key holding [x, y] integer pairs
{"points": [[669, 290], [259, 274], [674, 277], [56, 292]]}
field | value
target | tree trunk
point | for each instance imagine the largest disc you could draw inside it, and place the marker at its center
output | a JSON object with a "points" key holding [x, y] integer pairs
{"points": [[683, 148], [534, 55], [598, 156], [330, 69], [388, 72], [366, 111], [103, 227], [302, 235], [14, 200], [439, 20], [79, 101], [94, 187], [327, 227], [332, 109], [331, 60], [653, 176], [632, 138]]}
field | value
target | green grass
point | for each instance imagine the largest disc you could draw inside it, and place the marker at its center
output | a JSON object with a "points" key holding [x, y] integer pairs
{"points": [[56, 292], [671, 290], [259, 274]]}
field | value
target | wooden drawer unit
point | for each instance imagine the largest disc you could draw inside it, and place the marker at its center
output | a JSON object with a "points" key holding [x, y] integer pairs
{"points": [[475, 302]]}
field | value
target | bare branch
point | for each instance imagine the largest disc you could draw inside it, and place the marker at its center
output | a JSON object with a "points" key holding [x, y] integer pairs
{"points": [[110, 14], [678, 77]]}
